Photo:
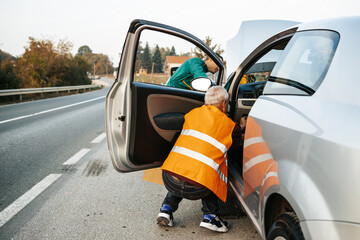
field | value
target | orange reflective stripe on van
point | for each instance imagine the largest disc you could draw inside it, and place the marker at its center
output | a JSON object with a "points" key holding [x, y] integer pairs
{"points": [[257, 160], [270, 179]]}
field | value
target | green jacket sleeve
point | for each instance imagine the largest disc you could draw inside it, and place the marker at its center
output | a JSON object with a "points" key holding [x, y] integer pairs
{"points": [[197, 69]]}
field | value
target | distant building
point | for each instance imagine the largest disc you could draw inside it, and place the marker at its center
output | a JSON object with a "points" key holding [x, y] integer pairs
{"points": [[142, 71], [172, 62]]}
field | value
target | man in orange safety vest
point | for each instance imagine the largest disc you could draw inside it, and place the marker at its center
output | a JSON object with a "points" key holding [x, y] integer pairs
{"points": [[196, 167]]}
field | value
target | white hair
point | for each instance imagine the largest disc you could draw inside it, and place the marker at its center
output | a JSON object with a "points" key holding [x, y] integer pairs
{"points": [[216, 95]]}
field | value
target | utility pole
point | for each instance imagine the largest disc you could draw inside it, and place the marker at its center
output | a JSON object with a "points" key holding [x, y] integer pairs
{"points": [[152, 70]]}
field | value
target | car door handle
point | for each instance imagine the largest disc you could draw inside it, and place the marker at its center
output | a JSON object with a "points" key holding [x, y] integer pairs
{"points": [[169, 121]]}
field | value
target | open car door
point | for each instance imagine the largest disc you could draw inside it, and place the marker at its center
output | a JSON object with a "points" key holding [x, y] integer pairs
{"points": [[143, 116]]}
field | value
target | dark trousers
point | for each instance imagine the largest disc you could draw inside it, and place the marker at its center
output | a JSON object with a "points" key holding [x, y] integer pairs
{"points": [[179, 189]]}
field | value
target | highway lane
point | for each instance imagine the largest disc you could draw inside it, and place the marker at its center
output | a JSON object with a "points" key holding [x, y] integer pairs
{"points": [[23, 109], [34, 146]]}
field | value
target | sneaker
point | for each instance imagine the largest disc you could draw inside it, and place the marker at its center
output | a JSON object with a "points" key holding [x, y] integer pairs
{"points": [[165, 216], [214, 223]]}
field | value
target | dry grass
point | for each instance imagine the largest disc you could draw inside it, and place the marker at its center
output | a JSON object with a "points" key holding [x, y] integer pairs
{"points": [[156, 78]]}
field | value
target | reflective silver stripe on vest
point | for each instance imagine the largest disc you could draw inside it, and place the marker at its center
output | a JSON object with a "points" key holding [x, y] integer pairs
{"points": [[269, 174], [206, 138], [251, 141], [256, 160], [202, 158]]}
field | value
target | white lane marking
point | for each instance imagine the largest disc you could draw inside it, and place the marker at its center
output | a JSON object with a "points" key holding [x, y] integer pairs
{"points": [[99, 138], [50, 110], [24, 200], [77, 157]]}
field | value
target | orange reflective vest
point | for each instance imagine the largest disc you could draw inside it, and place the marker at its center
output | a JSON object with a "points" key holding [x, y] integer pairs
{"points": [[199, 153]]}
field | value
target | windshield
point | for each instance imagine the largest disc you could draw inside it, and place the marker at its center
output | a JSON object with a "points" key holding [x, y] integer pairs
{"points": [[305, 61]]}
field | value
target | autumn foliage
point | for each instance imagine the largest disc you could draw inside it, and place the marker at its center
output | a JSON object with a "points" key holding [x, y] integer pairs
{"points": [[48, 64]]}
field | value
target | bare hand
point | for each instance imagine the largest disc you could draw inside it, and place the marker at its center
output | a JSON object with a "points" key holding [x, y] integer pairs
{"points": [[243, 122]]}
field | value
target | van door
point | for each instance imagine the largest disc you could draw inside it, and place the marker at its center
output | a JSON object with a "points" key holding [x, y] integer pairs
{"points": [[143, 115]]}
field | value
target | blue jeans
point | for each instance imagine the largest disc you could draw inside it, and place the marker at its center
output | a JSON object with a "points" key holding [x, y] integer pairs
{"points": [[179, 189]]}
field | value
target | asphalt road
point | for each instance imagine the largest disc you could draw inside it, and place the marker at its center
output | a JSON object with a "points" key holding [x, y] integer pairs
{"points": [[57, 181], [33, 147]]}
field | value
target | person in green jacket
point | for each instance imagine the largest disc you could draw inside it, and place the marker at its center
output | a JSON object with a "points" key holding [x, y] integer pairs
{"points": [[191, 69]]}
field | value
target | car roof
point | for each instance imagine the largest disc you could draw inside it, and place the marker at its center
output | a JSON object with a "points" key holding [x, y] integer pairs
{"points": [[336, 24]]}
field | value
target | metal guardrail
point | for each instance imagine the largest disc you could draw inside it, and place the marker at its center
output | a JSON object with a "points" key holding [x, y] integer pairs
{"points": [[23, 91]]}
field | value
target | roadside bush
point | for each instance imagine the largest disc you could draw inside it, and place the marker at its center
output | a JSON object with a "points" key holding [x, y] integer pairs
{"points": [[45, 65], [8, 78]]}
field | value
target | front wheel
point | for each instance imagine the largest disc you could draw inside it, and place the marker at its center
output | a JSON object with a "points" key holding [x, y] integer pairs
{"points": [[286, 227]]}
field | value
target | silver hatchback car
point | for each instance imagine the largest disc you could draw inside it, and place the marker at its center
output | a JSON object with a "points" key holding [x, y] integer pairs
{"points": [[297, 175]]}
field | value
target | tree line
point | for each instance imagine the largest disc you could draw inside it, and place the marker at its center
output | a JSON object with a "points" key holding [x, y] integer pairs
{"points": [[100, 63], [152, 58], [48, 64]]}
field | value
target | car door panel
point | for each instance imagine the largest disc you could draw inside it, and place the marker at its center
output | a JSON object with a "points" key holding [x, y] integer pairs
{"points": [[143, 120], [167, 119], [151, 103]]}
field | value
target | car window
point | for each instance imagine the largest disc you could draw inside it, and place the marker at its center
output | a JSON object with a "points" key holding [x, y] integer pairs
{"points": [[261, 69], [255, 76], [304, 63], [159, 55]]}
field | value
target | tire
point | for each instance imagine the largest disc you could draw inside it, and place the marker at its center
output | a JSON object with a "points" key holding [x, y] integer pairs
{"points": [[286, 226]]}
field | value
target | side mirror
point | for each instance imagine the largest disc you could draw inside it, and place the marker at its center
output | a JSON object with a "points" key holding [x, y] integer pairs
{"points": [[201, 84]]}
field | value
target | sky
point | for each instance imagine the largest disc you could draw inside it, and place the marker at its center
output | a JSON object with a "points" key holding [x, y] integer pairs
{"points": [[103, 24]]}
